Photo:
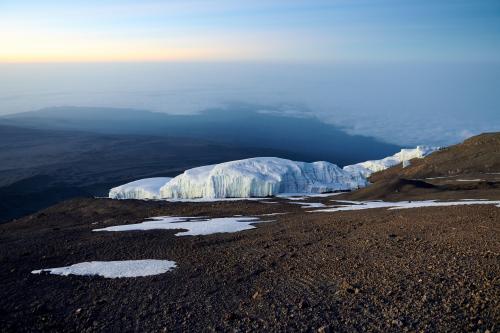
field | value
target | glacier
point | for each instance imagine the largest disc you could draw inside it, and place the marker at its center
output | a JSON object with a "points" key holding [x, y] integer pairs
{"points": [[262, 177], [365, 169], [148, 188]]}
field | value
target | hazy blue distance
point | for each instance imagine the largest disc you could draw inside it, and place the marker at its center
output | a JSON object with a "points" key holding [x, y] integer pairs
{"points": [[401, 103]]}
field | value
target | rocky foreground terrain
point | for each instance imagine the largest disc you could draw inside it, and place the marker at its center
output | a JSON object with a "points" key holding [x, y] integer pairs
{"points": [[419, 269], [430, 269]]}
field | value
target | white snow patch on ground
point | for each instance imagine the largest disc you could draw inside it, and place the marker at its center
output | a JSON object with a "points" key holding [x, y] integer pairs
{"points": [[441, 177], [308, 204], [361, 205], [273, 214], [114, 269], [473, 199], [296, 198], [194, 225], [469, 180]]}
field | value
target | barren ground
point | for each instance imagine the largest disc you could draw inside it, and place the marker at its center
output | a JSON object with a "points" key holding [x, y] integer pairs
{"points": [[424, 269]]}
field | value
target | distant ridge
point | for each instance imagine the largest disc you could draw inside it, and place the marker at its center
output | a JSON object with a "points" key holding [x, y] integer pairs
{"points": [[242, 125]]}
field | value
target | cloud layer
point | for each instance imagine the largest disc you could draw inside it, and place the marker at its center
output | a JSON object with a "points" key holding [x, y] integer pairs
{"points": [[403, 104]]}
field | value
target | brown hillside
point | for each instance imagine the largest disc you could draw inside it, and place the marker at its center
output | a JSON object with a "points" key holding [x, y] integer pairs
{"points": [[479, 154], [469, 169]]}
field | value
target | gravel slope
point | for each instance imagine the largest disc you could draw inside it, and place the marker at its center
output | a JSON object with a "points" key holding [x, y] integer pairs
{"points": [[430, 269]]}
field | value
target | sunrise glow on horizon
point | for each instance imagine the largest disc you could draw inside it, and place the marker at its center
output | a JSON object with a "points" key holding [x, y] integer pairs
{"points": [[276, 30]]}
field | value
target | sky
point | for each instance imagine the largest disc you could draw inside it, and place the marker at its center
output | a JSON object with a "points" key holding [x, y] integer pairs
{"points": [[305, 31], [404, 71]]}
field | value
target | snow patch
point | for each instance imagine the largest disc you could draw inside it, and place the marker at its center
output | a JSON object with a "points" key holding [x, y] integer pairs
{"points": [[296, 198], [442, 177], [309, 204], [474, 199], [114, 269], [362, 205], [194, 225]]}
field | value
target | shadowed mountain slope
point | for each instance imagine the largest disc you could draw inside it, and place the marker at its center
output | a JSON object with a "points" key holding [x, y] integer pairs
{"points": [[41, 167], [241, 125]]}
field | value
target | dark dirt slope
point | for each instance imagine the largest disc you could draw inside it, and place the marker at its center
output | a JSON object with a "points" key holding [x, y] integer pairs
{"points": [[400, 189], [469, 169], [387, 189], [412, 270]]}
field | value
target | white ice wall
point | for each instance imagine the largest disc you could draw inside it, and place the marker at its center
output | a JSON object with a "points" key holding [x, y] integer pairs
{"points": [[260, 177], [404, 156]]}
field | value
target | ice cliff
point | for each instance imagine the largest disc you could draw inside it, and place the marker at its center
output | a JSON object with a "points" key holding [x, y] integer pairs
{"points": [[365, 169], [262, 176]]}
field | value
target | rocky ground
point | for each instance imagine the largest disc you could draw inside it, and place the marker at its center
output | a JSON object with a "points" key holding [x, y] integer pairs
{"points": [[423, 269]]}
